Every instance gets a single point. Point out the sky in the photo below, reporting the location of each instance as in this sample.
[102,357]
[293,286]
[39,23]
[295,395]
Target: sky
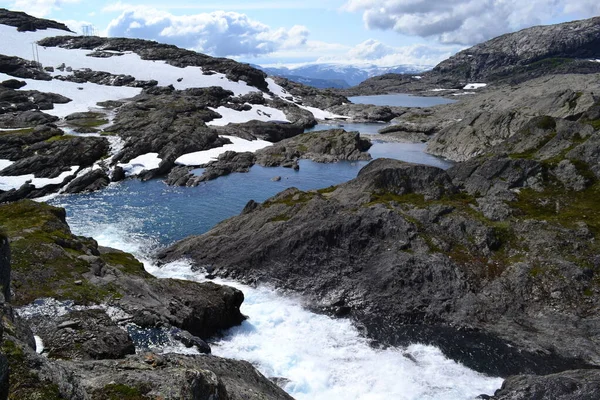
[295,32]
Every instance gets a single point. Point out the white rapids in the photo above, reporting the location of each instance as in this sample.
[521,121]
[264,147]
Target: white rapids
[314,356]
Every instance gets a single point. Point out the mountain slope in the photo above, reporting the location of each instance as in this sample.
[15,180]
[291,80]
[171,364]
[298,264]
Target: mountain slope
[567,48]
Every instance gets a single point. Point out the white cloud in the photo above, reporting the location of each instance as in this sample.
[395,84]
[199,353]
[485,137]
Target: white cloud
[40,8]
[374,52]
[465,21]
[218,33]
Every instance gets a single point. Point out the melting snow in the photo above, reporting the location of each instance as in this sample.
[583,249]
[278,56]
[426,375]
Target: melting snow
[237,144]
[148,161]
[258,112]
[473,86]
[15,182]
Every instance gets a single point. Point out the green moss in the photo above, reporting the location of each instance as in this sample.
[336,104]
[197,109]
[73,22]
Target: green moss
[45,256]
[126,263]
[58,138]
[280,218]
[293,199]
[24,384]
[546,122]
[327,190]
[16,131]
[563,207]
[117,391]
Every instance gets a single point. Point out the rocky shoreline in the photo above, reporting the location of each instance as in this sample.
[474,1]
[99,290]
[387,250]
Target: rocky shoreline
[88,350]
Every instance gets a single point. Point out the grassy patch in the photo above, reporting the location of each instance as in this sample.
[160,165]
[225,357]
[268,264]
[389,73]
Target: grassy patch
[566,208]
[16,131]
[126,263]
[45,256]
[280,218]
[117,391]
[58,138]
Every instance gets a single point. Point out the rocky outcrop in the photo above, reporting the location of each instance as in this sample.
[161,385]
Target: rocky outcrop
[17,101]
[82,335]
[20,68]
[24,22]
[495,290]
[569,385]
[320,146]
[310,96]
[104,78]
[535,51]
[4,266]
[87,353]
[368,112]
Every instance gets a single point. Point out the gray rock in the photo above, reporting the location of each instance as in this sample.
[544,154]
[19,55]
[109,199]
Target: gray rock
[90,182]
[567,173]
[569,385]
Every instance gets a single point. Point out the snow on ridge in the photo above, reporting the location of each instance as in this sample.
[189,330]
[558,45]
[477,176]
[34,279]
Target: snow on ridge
[20,44]
[237,144]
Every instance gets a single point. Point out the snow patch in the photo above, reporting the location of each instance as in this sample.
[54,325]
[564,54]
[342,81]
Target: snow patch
[5,163]
[473,86]
[16,181]
[83,95]
[258,112]
[237,144]
[148,161]
[39,344]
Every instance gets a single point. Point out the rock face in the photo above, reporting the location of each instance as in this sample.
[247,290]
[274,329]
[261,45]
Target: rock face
[320,146]
[83,335]
[570,385]
[25,22]
[493,293]
[5,266]
[540,49]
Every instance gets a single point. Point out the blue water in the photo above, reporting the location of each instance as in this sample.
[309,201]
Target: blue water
[366,129]
[158,215]
[400,100]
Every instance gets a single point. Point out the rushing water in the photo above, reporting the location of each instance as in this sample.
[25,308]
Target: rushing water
[315,356]
[401,100]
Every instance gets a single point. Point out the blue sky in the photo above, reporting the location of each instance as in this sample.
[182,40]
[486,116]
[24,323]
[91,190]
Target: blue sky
[381,32]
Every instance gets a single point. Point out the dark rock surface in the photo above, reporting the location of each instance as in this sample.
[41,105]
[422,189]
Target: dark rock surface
[47,159]
[569,385]
[498,297]
[20,68]
[82,335]
[94,180]
[320,146]
[26,22]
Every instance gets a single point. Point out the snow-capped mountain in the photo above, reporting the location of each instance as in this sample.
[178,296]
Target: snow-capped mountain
[338,75]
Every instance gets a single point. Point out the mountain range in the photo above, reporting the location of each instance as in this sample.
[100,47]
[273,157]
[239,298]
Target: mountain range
[339,76]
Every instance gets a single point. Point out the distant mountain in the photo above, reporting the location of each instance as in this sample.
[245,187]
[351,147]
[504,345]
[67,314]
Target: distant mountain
[336,75]
[563,48]
[567,48]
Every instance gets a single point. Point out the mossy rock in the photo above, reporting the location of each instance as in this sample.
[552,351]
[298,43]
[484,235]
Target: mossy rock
[49,261]
[25,384]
